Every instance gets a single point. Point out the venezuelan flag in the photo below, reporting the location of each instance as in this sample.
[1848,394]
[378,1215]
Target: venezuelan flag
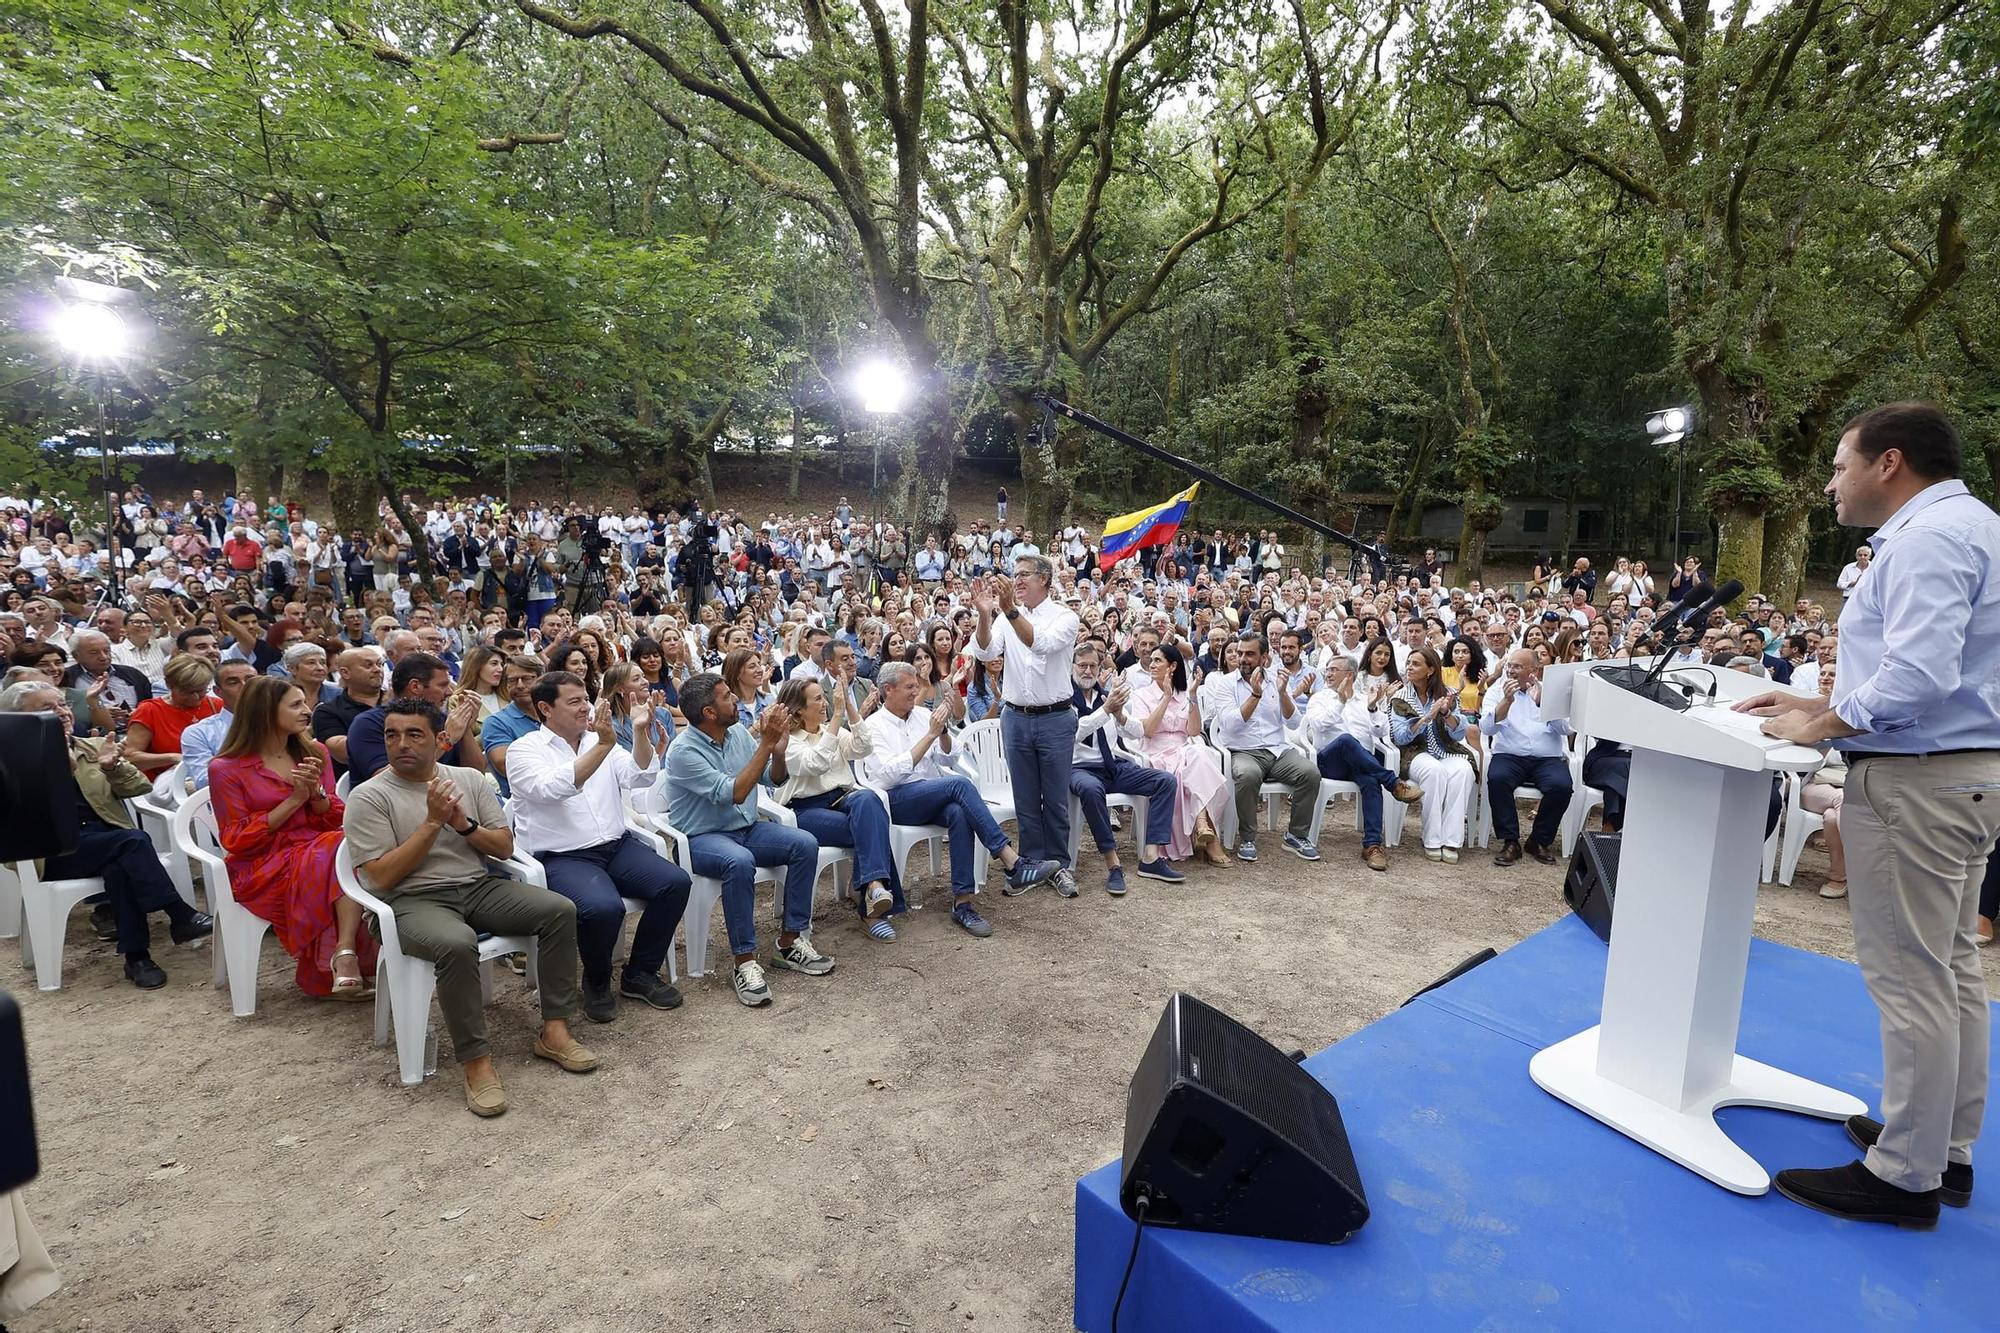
[1154,526]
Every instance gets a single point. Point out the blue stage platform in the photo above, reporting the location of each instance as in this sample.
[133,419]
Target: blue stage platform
[1495,1206]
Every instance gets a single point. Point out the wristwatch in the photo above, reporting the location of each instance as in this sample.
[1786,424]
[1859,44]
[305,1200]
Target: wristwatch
[472,826]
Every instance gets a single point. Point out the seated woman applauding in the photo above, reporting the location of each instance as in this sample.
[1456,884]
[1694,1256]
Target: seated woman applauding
[821,792]
[1162,718]
[280,826]
[1427,726]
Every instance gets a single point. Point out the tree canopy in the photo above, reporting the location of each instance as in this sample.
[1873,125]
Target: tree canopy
[1334,248]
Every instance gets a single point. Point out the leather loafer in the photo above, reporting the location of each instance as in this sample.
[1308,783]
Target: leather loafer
[145,973]
[486,1098]
[1859,1195]
[1957,1187]
[1539,852]
[575,1057]
[1509,853]
[199,926]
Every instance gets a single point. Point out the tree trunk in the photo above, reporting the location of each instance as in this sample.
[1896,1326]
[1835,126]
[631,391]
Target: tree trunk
[1784,567]
[254,471]
[798,453]
[1740,553]
[352,492]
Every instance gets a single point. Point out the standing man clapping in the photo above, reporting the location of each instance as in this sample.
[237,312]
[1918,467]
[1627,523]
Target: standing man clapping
[1019,621]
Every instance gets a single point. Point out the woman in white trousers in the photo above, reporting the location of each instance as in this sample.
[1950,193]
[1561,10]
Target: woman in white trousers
[1426,725]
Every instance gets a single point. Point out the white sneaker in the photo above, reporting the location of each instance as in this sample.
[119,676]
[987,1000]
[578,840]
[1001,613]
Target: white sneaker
[750,987]
[880,902]
[1450,856]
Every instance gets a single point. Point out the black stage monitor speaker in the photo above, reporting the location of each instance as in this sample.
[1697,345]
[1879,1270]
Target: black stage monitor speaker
[1592,881]
[1224,1132]
[37,794]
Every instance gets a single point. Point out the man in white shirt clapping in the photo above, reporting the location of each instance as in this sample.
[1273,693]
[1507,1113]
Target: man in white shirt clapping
[569,781]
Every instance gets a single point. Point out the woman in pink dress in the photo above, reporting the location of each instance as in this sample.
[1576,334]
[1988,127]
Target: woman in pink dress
[1161,719]
[280,824]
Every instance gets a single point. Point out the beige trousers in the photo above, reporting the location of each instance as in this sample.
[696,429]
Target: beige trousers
[1917,834]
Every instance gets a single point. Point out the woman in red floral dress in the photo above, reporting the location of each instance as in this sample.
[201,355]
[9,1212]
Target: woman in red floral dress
[280,827]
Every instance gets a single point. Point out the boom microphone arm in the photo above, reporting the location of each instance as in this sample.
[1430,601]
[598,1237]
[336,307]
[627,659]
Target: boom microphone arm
[1082,418]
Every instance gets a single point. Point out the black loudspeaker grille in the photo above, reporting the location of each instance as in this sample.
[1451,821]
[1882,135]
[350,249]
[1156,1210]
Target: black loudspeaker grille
[1591,886]
[1242,1068]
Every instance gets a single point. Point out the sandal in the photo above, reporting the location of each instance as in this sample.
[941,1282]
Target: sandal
[347,988]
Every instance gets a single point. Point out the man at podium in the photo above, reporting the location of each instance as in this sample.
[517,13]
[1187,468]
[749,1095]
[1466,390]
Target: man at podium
[1916,709]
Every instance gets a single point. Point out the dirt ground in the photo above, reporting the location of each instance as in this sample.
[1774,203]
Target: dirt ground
[891,1147]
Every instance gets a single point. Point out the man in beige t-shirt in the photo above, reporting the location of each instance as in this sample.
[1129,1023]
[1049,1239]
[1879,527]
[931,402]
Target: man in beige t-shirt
[421,833]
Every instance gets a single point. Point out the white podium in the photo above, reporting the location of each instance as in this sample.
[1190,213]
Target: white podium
[1664,1056]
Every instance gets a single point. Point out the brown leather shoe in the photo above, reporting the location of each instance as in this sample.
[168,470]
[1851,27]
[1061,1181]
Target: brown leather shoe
[1509,853]
[485,1098]
[1540,853]
[1377,857]
[575,1057]
[1406,791]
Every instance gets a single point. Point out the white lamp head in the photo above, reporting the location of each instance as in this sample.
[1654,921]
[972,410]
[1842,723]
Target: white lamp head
[90,331]
[881,386]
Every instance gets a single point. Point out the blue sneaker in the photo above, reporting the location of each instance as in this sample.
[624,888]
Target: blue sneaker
[968,916]
[1026,874]
[1302,849]
[1114,883]
[1162,870]
[1246,850]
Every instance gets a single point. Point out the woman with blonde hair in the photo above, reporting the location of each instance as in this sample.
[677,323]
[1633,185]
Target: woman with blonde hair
[827,736]
[153,734]
[280,826]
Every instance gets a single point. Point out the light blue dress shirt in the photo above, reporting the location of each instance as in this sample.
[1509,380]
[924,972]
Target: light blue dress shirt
[701,776]
[1919,664]
[199,744]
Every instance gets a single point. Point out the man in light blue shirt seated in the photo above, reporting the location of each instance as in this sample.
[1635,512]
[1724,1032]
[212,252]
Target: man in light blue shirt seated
[201,740]
[713,769]
[1524,750]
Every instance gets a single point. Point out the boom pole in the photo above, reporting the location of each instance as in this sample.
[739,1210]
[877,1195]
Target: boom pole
[1057,407]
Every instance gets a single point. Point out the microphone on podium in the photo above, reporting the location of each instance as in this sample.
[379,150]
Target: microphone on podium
[1646,682]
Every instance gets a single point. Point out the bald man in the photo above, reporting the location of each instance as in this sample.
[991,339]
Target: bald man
[1524,749]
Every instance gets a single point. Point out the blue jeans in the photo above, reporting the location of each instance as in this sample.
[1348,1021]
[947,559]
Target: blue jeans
[955,803]
[860,823]
[733,858]
[1505,772]
[1039,747]
[598,879]
[1345,759]
[1092,782]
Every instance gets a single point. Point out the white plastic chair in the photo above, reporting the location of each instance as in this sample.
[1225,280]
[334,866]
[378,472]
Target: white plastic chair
[840,860]
[1800,824]
[704,895]
[1267,797]
[405,986]
[535,873]
[239,932]
[980,754]
[343,785]
[1138,805]
[10,902]
[45,908]
[1331,789]
[154,815]
[1587,798]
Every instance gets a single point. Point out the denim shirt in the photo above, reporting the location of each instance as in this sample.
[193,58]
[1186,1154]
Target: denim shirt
[701,775]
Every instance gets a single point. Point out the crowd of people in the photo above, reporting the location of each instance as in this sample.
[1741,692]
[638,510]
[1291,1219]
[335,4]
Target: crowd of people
[490,680]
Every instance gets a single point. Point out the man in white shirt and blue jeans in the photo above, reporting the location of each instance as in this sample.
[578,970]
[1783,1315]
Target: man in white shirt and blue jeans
[1916,709]
[569,781]
[1036,634]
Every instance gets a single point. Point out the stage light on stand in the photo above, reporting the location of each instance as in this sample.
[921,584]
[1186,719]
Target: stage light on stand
[882,387]
[1672,426]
